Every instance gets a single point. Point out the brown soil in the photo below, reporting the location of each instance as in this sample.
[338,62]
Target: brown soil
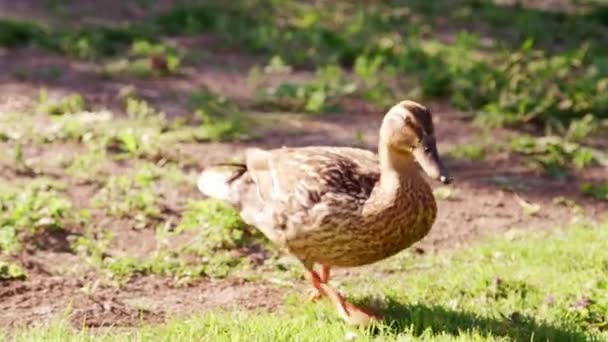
[481,206]
[146,299]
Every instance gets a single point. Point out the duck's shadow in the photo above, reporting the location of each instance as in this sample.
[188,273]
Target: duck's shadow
[418,320]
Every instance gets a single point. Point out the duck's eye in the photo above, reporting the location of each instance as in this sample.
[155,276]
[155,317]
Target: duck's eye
[427,149]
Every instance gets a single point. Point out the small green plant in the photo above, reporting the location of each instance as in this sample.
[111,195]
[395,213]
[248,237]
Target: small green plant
[599,191]
[139,109]
[553,154]
[445,193]
[20,164]
[468,151]
[219,224]
[70,104]
[14,33]
[134,143]
[92,246]
[277,65]
[320,95]
[580,129]
[146,59]
[219,118]
[11,271]
[375,77]
[89,166]
[202,244]
[130,196]
[528,208]
[29,211]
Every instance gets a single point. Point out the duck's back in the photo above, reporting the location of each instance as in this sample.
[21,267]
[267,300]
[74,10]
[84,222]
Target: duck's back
[313,172]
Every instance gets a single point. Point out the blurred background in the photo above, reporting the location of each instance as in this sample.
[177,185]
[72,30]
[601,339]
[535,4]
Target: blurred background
[109,109]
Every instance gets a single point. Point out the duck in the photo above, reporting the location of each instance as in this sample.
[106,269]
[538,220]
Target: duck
[339,206]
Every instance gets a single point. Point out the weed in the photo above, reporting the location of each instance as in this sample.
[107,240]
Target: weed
[88,166]
[92,246]
[140,137]
[70,104]
[599,191]
[14,33]
[580,129]
[468,151]
[277,65]
[320,95]
[133,197]
[146,59]
[553,154]
[30,210]
[11,271]
[219,118]
[528,208]
[202,244]
[374,76]
[219,224]
[537,88]
[134,142]
[445,193]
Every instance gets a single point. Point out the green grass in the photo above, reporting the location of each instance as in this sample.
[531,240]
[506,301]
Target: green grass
[599,191]
[73,103]
[33,209]
[11,271]
[201,244]
[522,75]
[556,156]
[468,151]
[133,163]
[523,286]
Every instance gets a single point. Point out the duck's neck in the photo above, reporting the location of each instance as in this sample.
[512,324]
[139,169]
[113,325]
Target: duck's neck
[395,167]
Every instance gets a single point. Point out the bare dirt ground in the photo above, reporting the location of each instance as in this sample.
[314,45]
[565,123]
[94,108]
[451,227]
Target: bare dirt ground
[487,200]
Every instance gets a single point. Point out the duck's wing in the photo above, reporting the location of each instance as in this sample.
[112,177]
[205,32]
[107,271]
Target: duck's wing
[311,172]
[310,194]
[289,190]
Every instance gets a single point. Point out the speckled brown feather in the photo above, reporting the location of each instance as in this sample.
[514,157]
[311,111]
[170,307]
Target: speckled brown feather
[323,204]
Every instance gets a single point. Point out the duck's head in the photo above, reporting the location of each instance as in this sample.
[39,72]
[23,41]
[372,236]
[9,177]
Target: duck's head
[408,131]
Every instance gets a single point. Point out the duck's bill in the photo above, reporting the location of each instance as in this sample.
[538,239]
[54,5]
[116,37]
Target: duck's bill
[429,160]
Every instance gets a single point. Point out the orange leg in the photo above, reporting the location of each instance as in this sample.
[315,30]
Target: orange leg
[349,312]
[324,278]
[324,274]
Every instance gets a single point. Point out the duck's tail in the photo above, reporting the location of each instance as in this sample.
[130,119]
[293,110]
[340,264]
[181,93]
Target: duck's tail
[219,181]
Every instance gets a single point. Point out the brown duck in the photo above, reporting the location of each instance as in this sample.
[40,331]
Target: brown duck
[339,206]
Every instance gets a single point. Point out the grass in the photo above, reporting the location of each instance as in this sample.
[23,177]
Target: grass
[31,210]
[193,240]
[527,77]
[11,271]
[599,191]
[555,155]
[510,288]
[468,151]
[201,244]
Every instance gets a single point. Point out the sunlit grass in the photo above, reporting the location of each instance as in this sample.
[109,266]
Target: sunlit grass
[523,287]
